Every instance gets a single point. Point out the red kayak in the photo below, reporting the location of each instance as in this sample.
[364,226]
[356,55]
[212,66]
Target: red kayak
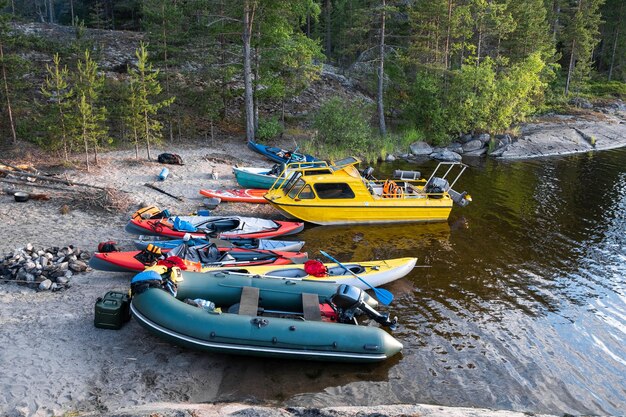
[224,227]
[198,258]
[243,195]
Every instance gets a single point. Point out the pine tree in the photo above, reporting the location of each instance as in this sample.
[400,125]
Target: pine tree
[145,87]
[93,115]
[61,121]
[4,69]
[581,35]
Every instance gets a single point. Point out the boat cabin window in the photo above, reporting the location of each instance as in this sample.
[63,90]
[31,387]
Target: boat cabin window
[293,192]
[306,193]
[317,171]
[334,190]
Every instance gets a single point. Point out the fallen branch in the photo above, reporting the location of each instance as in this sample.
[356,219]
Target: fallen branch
[149,185]
[31,184]
[53,179]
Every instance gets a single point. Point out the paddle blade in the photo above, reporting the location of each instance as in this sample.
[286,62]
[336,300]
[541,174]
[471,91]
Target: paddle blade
[384,296]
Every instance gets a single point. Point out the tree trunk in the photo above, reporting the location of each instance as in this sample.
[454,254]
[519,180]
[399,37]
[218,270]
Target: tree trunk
[613,53]
[555,22]
[448,29]
[248,19]
[86,145]
[72,11]
[51,10]
[570,67]
[6,92]
[255,95]
[381,73]
[147,132]
[328,30]
[136,136]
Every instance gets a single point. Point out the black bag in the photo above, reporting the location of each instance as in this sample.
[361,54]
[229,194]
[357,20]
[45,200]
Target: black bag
[170,158]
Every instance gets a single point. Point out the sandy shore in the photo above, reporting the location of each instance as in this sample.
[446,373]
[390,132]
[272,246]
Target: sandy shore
[55,362]
[53,359]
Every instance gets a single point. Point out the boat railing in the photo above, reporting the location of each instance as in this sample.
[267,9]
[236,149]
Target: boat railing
[445,181]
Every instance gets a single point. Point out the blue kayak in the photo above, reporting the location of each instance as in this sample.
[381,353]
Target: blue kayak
[264,244]
[280,155]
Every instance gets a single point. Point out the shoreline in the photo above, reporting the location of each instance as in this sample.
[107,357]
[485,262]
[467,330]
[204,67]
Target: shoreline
[56,362]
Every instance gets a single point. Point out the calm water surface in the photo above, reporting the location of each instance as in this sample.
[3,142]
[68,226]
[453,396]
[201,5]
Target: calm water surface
[522,305]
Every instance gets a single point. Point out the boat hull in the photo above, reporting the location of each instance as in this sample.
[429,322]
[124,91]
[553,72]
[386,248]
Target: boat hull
[278,154]
[374,273]
[435,211]
[246,195]
[193,327]
[126,262]
[258,178]
[159,227]
[263,244]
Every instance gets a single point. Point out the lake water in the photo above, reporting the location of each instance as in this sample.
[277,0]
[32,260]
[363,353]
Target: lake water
[520,303]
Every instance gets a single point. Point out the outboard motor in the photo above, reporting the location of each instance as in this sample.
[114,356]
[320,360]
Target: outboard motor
[436,185]
[349,301]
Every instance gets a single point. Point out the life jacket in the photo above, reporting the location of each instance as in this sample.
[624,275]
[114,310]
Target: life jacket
[146,213]
[171,261]
[315,268]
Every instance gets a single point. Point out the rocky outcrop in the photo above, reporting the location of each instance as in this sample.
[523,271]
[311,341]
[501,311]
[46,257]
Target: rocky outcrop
[566,136]
[243,410]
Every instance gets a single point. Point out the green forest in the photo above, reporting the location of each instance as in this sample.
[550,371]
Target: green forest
[434,69]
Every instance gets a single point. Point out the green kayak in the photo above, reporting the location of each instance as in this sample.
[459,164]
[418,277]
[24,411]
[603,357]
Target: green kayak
[272,317]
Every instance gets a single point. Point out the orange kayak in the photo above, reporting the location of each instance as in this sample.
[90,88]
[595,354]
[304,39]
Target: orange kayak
[244,195]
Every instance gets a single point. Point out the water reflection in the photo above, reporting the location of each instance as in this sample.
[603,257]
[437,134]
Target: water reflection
[522,306]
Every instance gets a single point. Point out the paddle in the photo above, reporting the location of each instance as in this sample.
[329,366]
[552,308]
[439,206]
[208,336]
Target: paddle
[383,296]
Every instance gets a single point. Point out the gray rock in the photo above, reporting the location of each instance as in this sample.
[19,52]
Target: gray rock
[446,156]
[84,256]
[29,247]
[29,277]
[68,274]
[498,151]
[54,286]
[63,266]
[78,266]
[466,138]
[390,158]
[484,137]
[583,103]
[455,147]
[45,285]
[477,152]
[504,139]
[473,145]
[62,280]
[420,148]
[30,266]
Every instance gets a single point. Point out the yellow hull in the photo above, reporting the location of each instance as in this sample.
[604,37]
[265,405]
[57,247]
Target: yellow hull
[375,273]
[353,212]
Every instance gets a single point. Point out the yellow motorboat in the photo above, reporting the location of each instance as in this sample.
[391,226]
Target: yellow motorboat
[328,194]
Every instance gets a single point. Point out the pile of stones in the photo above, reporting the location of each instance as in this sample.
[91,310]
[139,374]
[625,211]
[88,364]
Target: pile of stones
[45,269]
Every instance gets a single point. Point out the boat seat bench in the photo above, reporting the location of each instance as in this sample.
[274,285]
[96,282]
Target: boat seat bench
[311,307]
[249,303]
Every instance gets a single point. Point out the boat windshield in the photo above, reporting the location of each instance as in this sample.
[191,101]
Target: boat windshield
[291,181]
[296,188]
